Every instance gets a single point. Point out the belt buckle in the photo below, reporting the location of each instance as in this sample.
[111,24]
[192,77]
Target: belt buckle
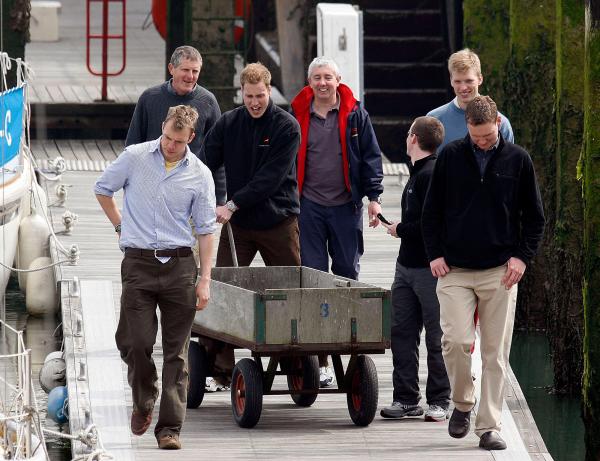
[155,250]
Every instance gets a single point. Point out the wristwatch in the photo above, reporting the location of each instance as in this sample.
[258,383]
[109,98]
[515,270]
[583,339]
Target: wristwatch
[376,199]
[231,206]
[118,228]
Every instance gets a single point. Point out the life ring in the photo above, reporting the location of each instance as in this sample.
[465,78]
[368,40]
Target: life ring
[159,17]
[242,14]
[241,11]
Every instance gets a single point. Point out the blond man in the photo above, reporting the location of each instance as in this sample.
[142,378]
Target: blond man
[465,78]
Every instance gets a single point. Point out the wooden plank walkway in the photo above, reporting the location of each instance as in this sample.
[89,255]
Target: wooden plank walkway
[285,431]
[61,75]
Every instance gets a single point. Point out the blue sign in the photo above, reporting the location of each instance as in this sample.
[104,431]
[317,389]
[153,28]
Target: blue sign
[11,124]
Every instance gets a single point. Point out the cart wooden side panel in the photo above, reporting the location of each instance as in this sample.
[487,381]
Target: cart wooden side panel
[230,312]
[323,315]
[294,309]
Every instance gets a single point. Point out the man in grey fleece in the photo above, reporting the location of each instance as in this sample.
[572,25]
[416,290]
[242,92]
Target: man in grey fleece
[182,88]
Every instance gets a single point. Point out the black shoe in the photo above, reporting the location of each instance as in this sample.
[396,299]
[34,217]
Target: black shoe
[460,423]
[492,441]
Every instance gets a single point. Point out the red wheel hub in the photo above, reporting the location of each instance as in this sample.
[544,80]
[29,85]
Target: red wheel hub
[356,394]
[240,394]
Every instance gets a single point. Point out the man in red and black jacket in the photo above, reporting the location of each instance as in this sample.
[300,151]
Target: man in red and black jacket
[338,164]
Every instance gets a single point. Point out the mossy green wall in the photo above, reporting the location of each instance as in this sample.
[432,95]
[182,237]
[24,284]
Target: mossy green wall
[591,194]
[532,58]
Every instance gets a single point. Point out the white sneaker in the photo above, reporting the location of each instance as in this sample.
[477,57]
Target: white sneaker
[210,385]
[436,413]
[326,377]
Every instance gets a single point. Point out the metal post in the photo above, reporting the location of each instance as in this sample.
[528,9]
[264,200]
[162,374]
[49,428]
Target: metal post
[27,398]
[104,96]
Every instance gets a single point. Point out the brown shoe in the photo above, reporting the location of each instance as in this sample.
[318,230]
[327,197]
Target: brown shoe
[140,422]
[169,442]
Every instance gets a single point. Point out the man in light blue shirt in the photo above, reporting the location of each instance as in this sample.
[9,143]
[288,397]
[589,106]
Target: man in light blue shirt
[164,185]
[466,78]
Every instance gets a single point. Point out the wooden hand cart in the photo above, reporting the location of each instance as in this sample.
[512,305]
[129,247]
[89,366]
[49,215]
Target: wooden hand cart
[291,314]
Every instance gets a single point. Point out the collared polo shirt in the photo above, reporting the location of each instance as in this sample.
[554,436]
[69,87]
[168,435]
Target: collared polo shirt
[324,174]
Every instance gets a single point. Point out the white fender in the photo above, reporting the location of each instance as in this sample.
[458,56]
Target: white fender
[39,199]
[40,293]
[33,243]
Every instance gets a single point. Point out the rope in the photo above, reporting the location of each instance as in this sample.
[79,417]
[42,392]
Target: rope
[89,437]
[57,263]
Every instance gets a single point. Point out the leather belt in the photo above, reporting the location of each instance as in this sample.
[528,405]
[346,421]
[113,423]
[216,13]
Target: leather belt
[173,252]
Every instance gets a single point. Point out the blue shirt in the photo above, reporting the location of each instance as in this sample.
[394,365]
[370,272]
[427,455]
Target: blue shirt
[157,204]
[455,125]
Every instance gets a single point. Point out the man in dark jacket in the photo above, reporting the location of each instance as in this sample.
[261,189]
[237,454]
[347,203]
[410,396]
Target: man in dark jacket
[257,144]
[414,299]
[339,163]
[482,224]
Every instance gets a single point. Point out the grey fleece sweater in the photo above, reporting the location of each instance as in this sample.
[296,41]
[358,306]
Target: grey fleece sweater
[152,108]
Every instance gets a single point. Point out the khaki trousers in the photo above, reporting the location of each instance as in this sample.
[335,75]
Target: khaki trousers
[459,292]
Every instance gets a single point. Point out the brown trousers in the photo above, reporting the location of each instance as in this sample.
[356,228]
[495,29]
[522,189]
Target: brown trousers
[147,283]
[278,246]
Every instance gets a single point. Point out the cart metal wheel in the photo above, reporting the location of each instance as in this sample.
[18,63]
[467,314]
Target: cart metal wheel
[363,393]
[303,374]
[197,366]
[246,393]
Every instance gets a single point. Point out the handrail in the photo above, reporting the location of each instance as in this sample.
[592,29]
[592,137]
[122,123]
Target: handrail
[105,37]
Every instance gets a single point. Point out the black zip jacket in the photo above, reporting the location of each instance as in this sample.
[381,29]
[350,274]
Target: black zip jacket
[412,250]
[259,155]
[480,221]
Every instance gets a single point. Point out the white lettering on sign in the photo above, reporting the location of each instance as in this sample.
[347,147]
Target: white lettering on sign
[5,133]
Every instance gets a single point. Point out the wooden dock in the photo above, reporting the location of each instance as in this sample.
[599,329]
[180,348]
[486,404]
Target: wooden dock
[323,431]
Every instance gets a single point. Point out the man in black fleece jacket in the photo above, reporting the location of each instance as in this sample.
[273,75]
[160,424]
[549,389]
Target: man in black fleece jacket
[482,224]
[414,300]
[257,143]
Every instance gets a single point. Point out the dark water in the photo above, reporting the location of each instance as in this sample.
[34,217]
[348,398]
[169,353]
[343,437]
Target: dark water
[558,417]
[39,335]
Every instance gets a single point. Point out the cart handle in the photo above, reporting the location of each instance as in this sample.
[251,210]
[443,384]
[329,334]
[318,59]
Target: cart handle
[232,244]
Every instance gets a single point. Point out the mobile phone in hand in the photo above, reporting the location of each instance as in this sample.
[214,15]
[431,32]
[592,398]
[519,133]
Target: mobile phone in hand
[383,220]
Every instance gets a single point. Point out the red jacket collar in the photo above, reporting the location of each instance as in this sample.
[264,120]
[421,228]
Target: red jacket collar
[301,108]
[301,103]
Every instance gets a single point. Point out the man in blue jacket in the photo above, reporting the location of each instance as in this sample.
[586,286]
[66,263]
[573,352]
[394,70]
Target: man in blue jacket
[339,163]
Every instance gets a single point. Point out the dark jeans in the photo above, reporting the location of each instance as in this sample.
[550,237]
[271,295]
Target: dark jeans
[278,246]
[147,283]
[333,230]
[415,305]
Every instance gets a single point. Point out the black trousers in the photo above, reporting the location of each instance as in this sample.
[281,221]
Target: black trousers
[147,283]
[415,305]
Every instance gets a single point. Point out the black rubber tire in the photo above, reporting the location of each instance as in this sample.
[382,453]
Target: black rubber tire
[198,368]
[246,393]
[364,391]
[303,373]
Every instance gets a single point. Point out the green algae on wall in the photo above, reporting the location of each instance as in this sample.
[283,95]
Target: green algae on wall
[591,193]
[565,320]
[486,27]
